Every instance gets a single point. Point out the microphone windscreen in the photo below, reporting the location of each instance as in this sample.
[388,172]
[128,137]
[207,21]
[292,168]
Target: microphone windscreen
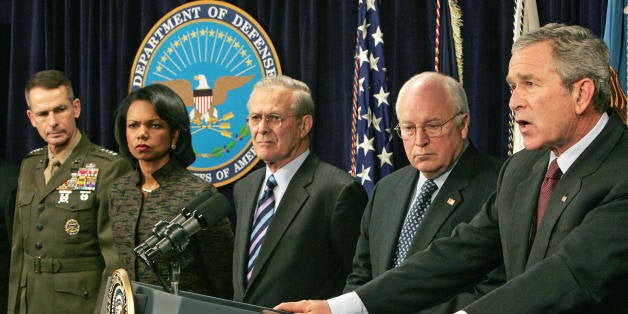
[213,209]
[191,205]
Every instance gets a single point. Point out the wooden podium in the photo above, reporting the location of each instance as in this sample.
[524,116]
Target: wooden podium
[123,296]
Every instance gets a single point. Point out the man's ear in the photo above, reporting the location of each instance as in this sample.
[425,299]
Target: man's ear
[583,91]
[306,125]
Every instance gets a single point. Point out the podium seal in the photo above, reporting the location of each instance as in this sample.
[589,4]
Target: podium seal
[120,294]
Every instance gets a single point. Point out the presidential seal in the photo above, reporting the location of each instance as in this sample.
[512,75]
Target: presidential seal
[211,53]
[120,294]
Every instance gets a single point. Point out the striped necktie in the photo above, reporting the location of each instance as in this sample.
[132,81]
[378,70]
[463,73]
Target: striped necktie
[263,216]
[413,219]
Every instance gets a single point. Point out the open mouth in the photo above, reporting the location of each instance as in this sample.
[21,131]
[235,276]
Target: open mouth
[523,123]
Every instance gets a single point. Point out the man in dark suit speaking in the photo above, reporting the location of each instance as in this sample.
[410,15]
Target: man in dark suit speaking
[558,221]
[298,218]
[433,115]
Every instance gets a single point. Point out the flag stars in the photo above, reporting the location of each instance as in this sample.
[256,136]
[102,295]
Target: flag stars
[370,5]
[362,56]
[375,122]
[378,37]
[364,174]
[389,133]
[361,83]
[382,97]
[363,27]
[368,116]
[373,62]
[384,158]
[367,145]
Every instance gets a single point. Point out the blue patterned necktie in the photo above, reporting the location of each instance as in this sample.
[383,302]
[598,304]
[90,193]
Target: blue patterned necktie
[263,216]
[413,219]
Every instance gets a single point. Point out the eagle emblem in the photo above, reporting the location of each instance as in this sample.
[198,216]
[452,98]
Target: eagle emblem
[204,99]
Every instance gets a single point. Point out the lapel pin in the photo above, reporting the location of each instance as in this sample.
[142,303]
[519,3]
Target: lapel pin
[564,198]
[451,201]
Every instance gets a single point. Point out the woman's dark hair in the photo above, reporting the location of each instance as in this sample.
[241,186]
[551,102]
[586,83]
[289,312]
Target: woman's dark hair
[170,108]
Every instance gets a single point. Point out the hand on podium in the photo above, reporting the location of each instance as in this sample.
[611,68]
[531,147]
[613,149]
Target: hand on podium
[305,306]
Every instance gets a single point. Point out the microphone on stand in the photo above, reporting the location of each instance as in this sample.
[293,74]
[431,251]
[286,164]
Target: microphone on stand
[197,215]
[159,228]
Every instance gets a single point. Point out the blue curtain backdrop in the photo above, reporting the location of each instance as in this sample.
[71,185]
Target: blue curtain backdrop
[95,43]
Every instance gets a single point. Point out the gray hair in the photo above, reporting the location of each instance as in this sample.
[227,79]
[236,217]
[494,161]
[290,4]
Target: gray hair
[302,97]
[577,54]
[455,92]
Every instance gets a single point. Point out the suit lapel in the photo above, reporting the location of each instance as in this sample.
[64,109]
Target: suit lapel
[446,201]
[392,220]
[523,209]
[571,184]
[249,202]
[293,199]
[443,205]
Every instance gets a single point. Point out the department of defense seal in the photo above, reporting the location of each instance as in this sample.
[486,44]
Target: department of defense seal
[211,53]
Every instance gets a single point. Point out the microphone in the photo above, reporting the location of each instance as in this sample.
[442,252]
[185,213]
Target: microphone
[160,227]
[197,215]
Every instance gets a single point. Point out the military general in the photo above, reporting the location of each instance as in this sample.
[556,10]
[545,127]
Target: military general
[62,245]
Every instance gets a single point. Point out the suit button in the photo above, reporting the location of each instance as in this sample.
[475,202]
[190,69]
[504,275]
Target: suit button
[38,245]
[39,227]
[41,206]
[86,293]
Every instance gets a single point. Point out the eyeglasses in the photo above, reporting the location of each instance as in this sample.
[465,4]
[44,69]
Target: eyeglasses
[272,120]
[407,131]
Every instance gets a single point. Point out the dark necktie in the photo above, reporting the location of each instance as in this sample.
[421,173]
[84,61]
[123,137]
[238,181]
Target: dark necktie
[261,220]
[552,176]
[413,219]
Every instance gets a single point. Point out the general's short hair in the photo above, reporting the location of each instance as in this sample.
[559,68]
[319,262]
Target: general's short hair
[49,79]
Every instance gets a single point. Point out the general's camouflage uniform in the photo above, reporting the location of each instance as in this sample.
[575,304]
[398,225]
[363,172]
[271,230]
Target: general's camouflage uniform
[62,245]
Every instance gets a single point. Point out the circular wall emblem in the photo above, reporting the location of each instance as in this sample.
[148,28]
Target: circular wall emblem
[211,53]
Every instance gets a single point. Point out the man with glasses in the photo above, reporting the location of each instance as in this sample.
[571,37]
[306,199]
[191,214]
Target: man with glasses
[446,179]
[297,218]
[558,221]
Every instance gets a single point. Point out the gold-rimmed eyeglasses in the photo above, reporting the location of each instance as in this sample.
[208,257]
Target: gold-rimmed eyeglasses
[407,131]
[272,120]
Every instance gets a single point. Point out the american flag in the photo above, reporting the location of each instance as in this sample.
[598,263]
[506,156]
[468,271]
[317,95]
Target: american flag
[371,133]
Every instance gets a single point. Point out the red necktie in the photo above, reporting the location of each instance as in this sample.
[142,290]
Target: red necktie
[552,176]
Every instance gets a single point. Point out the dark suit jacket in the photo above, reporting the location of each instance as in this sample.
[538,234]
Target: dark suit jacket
[310,242]
[8,184]
[469,184]
[578,262]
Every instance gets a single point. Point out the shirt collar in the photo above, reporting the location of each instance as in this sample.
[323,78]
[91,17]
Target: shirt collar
[284,175]
[63,156]
[566,159]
